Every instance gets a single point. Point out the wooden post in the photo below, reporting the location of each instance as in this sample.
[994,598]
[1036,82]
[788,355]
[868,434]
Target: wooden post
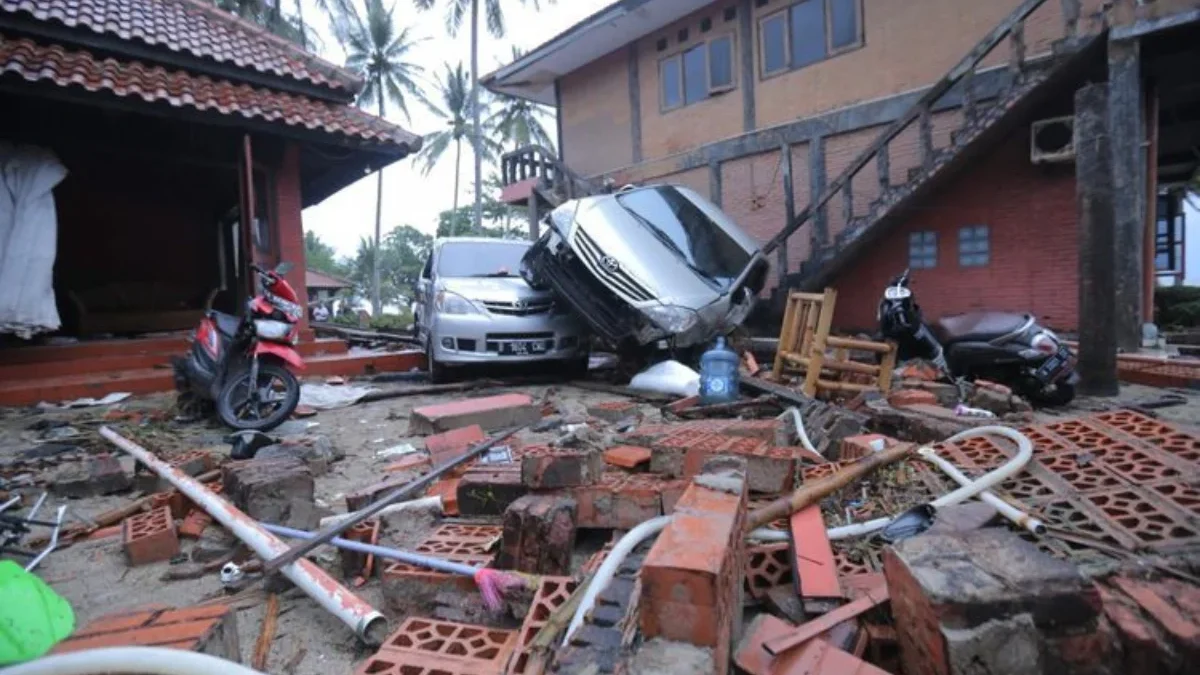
[789,207]
[1126,134]
[1097,246]
[816,357]
[246,174]
[1150,254]
[925,123]
[534,227]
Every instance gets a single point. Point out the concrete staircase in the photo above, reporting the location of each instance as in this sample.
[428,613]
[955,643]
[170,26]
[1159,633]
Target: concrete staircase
[1028,84]
[56,373]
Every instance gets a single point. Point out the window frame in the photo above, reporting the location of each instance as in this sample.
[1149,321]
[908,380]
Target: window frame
[923,234]
[784,13]
[677,55]
[975,239]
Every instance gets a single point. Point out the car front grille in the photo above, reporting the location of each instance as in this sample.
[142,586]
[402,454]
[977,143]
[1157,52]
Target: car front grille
[614,276]
[604,311]
[518,336]
[527,308]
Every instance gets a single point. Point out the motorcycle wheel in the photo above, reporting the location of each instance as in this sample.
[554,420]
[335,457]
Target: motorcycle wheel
[238,409]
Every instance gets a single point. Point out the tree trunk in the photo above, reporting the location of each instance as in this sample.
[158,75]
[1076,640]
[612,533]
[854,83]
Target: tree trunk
[457,172]
[376,300]
[477,132]
[303,28]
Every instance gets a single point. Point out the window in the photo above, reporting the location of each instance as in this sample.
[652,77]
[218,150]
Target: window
[697,73]
[807,32]
[922,250]
[973,247]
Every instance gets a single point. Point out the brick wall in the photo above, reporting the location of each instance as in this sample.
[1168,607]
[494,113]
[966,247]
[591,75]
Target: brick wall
[595,115]
[1031,214]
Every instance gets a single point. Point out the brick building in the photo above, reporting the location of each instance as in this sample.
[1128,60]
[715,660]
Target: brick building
[887,134]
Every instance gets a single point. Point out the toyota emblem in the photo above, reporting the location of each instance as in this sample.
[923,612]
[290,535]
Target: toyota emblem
[521,304]
[610,263]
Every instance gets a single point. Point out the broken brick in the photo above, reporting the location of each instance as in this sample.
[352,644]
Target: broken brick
[150,537]
[447,489]
[627,456]
[194,524]
[490,413]
[865,444]
[210,630]
[902,398]
[449,445]
[539,535]
[98,475]
[620,501]
[266,489]
[550,467]
[488,489]
[815,656]
[813,565]
[428,646]
[613,411]
[370,494]
[418,462]
[552,593]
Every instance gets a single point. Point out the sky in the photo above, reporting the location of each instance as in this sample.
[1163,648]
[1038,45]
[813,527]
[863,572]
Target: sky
[410,198]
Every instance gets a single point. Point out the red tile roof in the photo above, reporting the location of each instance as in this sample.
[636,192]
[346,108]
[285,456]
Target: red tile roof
[153,84]
[193,28]
[315,279]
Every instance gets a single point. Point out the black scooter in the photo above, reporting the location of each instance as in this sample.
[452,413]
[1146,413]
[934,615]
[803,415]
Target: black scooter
[1011,349]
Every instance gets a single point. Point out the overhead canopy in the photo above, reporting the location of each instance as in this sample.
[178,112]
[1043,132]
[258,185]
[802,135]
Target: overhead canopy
[320,280]
[532,76]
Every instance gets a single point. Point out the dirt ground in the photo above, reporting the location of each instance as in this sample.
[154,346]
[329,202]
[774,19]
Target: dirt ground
[94,577]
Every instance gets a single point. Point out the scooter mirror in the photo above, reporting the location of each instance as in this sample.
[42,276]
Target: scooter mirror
[283,268]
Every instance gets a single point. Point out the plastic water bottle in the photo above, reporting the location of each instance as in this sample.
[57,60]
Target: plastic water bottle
[719,374]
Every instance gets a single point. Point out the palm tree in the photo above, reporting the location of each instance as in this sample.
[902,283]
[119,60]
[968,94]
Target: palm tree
[456,11]
[380,51]
[519,121]
[454,108]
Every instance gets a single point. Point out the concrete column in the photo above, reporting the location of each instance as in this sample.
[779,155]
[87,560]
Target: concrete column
[816,185]
[747,51]
[635,103]
[1097,246]
[1127,133]
[714,182]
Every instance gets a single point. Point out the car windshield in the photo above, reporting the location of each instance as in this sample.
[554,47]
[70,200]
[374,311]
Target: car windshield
[683,227]
[481,259]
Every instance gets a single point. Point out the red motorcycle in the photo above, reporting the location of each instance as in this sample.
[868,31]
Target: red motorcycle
[241,364]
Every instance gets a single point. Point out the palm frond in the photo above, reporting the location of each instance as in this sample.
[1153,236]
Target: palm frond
[456,12]
[435,147]
[495,18]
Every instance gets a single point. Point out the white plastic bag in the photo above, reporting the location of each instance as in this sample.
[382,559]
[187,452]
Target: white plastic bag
[668,377]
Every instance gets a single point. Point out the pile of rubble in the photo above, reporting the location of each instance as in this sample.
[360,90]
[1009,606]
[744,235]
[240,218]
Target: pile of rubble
[687,538]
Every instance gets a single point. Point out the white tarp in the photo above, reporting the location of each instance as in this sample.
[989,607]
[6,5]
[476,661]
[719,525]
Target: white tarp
[28,239]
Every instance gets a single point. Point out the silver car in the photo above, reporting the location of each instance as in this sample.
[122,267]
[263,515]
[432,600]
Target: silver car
[649,264]
[473,308]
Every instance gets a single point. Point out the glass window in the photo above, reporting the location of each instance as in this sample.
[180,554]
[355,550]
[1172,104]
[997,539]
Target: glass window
[973,247]
[807,32]
[774,44]
[720,63]
[481,259]
[695,75]
[843,23]
[922,250]
[672,83]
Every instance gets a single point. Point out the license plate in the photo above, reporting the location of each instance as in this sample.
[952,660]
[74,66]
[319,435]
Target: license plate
[523,347]
[1049,370]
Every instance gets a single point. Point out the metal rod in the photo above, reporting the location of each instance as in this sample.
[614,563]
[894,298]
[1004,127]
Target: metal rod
[10,502]
[62,510]
[328,533]
[37,505]
[438,564]
[366,622]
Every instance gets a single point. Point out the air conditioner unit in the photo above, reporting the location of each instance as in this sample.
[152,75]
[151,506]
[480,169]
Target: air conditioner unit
[1052,140]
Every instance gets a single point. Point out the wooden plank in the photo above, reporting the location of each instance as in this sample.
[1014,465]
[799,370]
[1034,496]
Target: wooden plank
[262,647]
[815,570]
[861,345]
[871,599]
[846,366]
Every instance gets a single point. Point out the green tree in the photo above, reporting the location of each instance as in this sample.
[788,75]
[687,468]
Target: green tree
[380,51]
[269,14]
[460,222]
[401,259]
[456,12]
[520,122]
[453,107]
[321,257]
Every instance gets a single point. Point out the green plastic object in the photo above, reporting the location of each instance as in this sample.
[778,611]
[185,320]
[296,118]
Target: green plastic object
[33,618]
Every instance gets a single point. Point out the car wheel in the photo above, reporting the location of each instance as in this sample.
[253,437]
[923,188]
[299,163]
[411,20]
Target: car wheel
[437,371]
[577,369]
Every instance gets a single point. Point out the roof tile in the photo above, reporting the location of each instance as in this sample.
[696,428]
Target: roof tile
[154,84]
[194,28]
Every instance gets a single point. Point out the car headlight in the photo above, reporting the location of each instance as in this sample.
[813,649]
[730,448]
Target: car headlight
[672,318]
[269,329]
[452,303]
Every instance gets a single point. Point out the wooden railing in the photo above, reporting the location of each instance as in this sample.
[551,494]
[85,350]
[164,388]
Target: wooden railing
[534,161]
[920,115]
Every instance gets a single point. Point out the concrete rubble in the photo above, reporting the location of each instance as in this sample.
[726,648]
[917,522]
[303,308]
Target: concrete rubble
[1108,587]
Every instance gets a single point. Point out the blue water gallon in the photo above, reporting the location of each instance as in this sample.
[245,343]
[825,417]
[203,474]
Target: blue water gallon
[719,374]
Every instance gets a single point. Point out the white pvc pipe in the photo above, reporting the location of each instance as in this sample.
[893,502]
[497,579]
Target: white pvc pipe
[609,568]
[1017,516]
[431,503]
[362,618]
[800,431]
[149,660]
[969,489]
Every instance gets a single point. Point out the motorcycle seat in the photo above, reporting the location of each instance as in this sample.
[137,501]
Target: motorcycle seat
[977,326]
[227,324]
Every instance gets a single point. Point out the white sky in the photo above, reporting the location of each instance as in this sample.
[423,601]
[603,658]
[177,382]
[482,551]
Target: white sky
[410,198]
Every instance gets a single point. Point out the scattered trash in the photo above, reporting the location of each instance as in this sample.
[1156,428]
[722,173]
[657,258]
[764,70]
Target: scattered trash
[668,377]
[231,574]
[500,454]
[396,450]
[968,411]
[86,402]
[331,397]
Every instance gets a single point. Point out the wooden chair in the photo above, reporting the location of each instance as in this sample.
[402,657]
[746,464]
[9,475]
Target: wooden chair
[804,343]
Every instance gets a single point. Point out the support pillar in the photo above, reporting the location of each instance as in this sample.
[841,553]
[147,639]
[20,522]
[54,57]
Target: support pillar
[1127,133]
[1098,305]
[534,226]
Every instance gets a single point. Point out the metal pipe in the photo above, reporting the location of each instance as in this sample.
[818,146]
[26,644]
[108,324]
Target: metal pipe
[448,566]
[62,510]
[366,622]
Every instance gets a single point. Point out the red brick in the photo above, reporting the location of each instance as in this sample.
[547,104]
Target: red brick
[486,490]
[854,447]
[814,565]
[194,524]
[442,646]
[817,656]
[449,445]
[417,462]
[211,630]
[683,404]
[903,398]
[620,501]
[490,413]
[627,456]
[552,593]
[1159,600]
[613,411]
[550,467]
[150,537]
[194,462]
[539,535]
[447,489]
